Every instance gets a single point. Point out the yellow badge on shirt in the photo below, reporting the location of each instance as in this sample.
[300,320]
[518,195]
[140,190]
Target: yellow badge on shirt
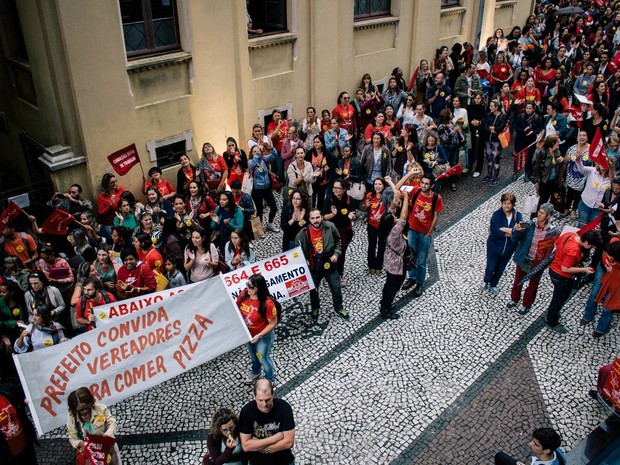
[48,342]
[327,265]
[344,211]
[400,149]
[554,123]
[260,169]
[368,111]
[15,312]
[19,248]
[325,127]
[345,171]
[442,94]
[324,162]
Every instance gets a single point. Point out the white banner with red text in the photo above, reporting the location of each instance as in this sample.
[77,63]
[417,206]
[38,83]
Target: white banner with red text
[287,276]
[132,353]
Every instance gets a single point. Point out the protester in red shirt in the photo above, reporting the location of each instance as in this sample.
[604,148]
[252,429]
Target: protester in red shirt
[425,207]
[212,170]
[376,203]
[21,245]
[93,296]
[346,112]
[133,279]
[568,255]
[260,314]
[165,187]
[236,160]
[147,253]
[107,201]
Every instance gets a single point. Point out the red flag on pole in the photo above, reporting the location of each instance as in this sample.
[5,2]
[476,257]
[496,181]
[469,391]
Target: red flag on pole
[123,160]
[520,160]
[594,224]
[597,150]
[57,223]
[9,214]
[456,169]
[599,3]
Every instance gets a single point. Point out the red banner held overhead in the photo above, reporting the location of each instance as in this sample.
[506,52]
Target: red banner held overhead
[125,159]
[9,214]
[57,223]
[597,150]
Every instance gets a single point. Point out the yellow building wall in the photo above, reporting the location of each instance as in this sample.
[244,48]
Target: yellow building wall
[96,101]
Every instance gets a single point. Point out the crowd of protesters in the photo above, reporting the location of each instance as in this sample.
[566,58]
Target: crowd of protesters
[383,156]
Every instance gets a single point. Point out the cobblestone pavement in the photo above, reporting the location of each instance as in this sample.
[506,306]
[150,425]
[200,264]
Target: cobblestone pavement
[455,379]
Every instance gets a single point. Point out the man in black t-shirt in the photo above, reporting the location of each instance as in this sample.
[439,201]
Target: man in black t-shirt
[267,427]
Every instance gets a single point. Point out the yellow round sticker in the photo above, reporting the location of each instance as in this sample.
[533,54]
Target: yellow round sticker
[19,248]
[154,240]
[368,111]
[324,162]
[325,127]
[327,265]
[554,123]
[290,192]
[157,263]
[345,171]
[48,342]
[344,211]
[15,312]
[400,149]
[442,94]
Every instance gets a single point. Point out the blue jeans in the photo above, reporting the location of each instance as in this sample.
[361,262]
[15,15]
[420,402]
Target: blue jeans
[260,355]
[586,214]
[590,311]
[421,244]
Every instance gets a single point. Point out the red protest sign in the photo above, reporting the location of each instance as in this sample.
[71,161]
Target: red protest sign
[456,169]
[123,160]
[597,150]
[611,389]
[9,214]
[57,223]
[97,448]
[520,160]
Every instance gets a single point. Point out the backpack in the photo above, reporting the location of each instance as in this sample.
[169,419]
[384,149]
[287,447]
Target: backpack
[106,298]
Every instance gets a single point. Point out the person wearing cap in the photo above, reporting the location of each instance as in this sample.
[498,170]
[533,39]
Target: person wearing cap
[165,187]
[534,241]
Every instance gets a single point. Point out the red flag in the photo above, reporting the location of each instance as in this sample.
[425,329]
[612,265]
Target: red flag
[594,224]
[57,223]
[456,169]
[9,214]
[599,3]
[97,447]
[597,150]
[123,160]
[520,160]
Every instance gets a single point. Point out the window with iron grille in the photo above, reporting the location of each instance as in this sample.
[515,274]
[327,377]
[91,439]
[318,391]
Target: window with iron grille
[448,3]
[364,9]
[150,27]
[168,155]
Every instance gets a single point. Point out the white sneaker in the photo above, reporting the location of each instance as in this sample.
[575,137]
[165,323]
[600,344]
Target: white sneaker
[273,227]
[465,170]
[476,174]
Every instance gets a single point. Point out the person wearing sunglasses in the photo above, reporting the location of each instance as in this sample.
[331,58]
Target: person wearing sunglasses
[223,445]
[85,417]
[260,311]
